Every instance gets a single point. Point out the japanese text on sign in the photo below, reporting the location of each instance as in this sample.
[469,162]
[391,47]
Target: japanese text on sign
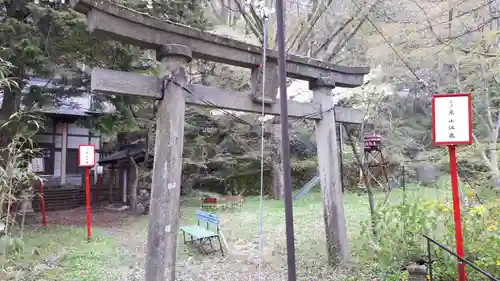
[451,119]
[37,165]
[86,156]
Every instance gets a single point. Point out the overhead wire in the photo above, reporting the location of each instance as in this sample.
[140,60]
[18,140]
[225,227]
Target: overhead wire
[296,121]
[412,71]
[264,15]
[229,8]
[388,43]
[230,114]
[320,112]
[211,104]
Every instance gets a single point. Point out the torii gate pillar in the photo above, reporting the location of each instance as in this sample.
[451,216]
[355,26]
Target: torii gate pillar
[109,20]
[329,172]
[167,169]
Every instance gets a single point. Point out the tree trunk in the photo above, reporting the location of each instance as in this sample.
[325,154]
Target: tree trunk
[278,186]
[493,154]
[109,182]
[11,102]
[187,185]
[133,175]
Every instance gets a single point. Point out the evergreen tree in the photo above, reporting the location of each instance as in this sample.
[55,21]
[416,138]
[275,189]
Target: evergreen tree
[49,39]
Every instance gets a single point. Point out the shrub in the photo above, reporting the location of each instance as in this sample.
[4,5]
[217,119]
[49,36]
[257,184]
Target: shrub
[10,245]
[15,179]
[5,71]
[399,240]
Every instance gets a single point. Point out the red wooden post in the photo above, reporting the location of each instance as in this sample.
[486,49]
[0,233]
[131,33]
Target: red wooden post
[86,159]
[452,126]
[87,198]
[42,204]
[456,211]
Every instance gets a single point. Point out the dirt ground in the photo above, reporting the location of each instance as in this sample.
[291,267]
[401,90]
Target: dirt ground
[131,232]
[240,228]
[100,217]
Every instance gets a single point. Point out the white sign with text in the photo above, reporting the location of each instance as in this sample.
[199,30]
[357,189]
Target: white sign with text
[86,155]
[37,165]
[451,118]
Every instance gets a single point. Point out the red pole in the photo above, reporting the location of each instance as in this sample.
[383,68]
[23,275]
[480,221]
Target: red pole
[87,195]
[456,212]
[42,204]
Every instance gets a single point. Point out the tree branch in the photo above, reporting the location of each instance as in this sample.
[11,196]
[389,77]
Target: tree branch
[327,41]
[317,14]
[341,45]
[250,23]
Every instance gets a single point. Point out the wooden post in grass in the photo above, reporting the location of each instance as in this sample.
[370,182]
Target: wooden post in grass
[167,168]
[329,173]
[224,243]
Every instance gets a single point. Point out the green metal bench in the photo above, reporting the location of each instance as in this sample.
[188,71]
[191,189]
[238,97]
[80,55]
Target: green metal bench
[201,234]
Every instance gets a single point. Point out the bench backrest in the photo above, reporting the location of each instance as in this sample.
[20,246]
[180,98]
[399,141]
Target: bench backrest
[208,219]
[209,200]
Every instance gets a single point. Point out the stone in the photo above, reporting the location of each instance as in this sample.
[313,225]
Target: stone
[417,272]
[271,80]
[322,82]
[174,50]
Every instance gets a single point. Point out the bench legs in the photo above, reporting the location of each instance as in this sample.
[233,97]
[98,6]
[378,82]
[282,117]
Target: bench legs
[202,242]
[191,241]
[220,245]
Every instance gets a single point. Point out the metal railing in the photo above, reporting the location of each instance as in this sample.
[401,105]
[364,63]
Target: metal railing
[431,241]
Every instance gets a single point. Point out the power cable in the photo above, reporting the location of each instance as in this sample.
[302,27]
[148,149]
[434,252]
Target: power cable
[229,8]
[425,84]
[390,45]
[211,104]
[264,13]
[227,113]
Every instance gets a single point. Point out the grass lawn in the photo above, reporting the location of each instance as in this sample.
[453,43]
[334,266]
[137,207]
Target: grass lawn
[60,253]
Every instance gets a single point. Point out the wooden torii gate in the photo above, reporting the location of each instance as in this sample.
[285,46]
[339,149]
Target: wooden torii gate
[175,46]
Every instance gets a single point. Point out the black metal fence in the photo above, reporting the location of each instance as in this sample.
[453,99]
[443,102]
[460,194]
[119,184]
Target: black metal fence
[431,241]
[72,195]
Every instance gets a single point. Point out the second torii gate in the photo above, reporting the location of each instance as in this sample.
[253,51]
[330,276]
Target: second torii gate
[175,46]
